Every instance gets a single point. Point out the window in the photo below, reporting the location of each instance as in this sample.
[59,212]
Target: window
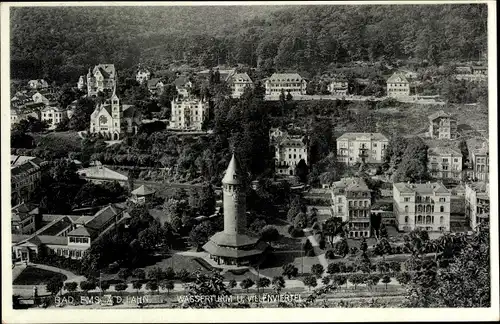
[340,200]
[406,209]
[441,209]
[340,209]
[441,220]
[406,219]
[442,199]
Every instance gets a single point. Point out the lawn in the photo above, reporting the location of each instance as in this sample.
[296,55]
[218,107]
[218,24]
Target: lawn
[35,276]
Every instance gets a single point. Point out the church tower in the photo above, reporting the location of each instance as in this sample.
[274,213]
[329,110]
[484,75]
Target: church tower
[234,197]
[115,106]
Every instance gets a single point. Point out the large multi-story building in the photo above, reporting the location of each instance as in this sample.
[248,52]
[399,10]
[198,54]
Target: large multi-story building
[351,200]
[67,235]
[338,86]
[189,113]
[398,85]
[102,78]
[53,115]
[239,82]
[477,203]
[289,150]
[480,161]
[25,174]
[422,205]
[142,75]
[442,126]
[444,163]
[291,83]
[24,218]
[358,147]
[113,119]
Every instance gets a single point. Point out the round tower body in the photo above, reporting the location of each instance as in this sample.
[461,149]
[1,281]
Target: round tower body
[234,197]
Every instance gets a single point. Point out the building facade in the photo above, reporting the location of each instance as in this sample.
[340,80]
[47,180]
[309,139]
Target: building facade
[24,177]
[291,83]
[67,235]
[183,86]
[239,82]
[54,115]
[82,83]
[189,113]
[142,76]
[24,218]
[351,200]
[113,119]
[421,205]
[289,150]
[155,86]
[398,86]
[101,79]
[233,246]
[480,160]
[442,126]
[358,147]
[338,86]
[444,163]
[477,203]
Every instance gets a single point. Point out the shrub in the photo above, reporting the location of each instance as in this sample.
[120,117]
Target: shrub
[183,275]
[317,270]
[113,267]
[333,268]
[329,254]
[297,232]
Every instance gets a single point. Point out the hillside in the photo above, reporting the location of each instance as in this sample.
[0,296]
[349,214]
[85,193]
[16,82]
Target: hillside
[60,43]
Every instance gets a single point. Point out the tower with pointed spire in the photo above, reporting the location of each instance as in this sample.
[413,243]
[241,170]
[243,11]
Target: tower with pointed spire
[233,246]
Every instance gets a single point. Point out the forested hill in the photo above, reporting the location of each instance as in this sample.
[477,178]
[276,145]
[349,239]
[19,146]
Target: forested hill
[61,43]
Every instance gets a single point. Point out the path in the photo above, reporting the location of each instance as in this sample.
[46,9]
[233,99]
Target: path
[16,271]
[321,257]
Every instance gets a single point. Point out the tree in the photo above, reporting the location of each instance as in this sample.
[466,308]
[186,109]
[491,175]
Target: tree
[310,281]
[206,285]
[70,286]
[289,271]
[317,270]
[386,279]
[454,286]
[289,96]
[200,234]
[383,247]
[87,285]
[104,285]
[363,246]
[263,282]
[373,280]
[139,274]
[403,278]
[137,285]
[278,283]
[167,285]
[269,233]
[156,274]
[325,280]
[339,280]
[464,150]
[300,220]
[124,273]
[333,227]
[232,283]
[152,285]
[341,248]
[333,268]
[246,283]
[356,279]
[121,287]
[169,273]
[301,170]
[183,275]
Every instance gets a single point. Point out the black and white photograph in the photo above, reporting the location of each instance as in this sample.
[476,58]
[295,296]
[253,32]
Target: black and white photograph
[175,155]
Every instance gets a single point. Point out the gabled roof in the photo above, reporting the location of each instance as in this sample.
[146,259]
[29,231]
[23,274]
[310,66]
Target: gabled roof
[143,191]
[241,78]
[101,218]
[350,184]
[107,70]
[443,150]
[363,136]
[285,77]
[397,77]
[181,81]
[29,166]
[421,188]
[80,231]
[439,114]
